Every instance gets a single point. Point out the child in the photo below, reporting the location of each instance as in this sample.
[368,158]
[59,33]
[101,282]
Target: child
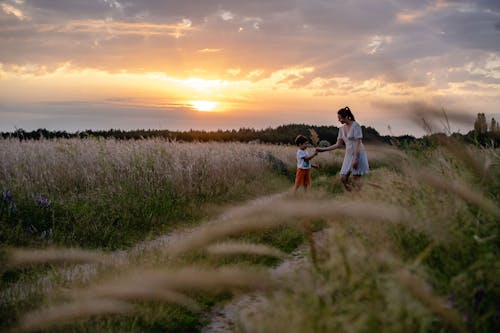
[303,177]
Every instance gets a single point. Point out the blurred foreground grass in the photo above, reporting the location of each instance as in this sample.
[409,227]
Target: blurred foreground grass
[415,250]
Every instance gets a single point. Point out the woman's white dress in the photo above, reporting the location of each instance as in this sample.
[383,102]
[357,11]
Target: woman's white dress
[350,147]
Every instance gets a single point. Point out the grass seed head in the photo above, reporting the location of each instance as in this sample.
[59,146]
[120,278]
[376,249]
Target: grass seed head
[66,313]
[241,248]
[19,257]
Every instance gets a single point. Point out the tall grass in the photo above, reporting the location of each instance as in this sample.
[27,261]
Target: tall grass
[416,250]
[109,193]
[65,168]
[436,272]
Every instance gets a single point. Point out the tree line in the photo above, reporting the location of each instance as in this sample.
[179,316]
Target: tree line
[482,134]
[284,134]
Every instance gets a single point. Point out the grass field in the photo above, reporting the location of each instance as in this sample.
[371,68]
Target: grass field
[416,250]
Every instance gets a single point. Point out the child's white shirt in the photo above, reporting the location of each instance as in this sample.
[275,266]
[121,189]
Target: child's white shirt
[301,163]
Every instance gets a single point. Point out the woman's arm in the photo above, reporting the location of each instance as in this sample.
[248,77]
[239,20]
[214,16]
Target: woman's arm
[356,153]
[339,143]
[357,148]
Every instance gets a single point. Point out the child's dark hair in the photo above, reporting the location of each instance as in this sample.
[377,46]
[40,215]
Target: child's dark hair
[346,113]
[300,139]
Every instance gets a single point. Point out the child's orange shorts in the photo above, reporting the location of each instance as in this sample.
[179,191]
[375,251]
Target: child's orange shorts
[303,177]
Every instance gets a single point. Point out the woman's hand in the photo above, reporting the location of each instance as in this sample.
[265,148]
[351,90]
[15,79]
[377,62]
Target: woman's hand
[355,163]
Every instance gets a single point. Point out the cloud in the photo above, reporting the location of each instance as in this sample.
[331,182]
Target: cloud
[401,48]
[335,37]
[227,15]
[377,43]
[209,50]
[11,10]
[125,28]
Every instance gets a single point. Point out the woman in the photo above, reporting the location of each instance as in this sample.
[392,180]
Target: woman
[355,160]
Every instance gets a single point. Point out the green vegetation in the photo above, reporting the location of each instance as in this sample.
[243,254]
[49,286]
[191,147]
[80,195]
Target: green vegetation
[111,194]
[416,250]
[484,133]
[280,135]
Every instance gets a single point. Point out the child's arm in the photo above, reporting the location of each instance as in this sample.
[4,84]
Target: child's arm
[310,157]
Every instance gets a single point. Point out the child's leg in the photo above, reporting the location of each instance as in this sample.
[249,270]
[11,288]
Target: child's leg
[298,181]
[307,179]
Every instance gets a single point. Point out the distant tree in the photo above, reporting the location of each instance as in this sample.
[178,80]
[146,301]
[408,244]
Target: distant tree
[324,143]
[480,126]
[493,125]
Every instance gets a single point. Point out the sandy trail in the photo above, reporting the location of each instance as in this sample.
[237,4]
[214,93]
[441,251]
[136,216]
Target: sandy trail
[49,283]
[238,311]
[225,318]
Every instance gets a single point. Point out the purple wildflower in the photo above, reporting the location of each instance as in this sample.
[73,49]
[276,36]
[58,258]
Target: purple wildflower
[42,202]
[7,198]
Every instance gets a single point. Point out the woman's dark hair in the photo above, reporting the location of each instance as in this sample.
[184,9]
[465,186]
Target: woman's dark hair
[346,113]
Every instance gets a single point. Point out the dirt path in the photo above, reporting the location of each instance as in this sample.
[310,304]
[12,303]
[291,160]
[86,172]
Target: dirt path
[83,273]
[226,317]
[238,311]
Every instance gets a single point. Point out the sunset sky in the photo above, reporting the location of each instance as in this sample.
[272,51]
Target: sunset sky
[209,64]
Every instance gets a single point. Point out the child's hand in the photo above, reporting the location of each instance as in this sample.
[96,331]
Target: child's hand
[355,164]
[315,166]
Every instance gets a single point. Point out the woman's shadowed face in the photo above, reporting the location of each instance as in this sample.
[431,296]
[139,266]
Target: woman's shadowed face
[342,120]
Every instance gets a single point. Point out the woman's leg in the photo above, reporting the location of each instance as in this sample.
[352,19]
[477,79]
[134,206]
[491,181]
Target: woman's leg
[345,182]
[357,182]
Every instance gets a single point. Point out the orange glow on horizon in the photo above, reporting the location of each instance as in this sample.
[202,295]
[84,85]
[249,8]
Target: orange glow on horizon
[279,97]
[204,106]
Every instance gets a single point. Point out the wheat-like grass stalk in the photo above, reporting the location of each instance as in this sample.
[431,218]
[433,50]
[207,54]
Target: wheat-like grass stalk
[460,189]
[66,313]
[148,284]
[242,248]
[314,137]
[424,254]
[480,165]
[139,291]
[74,167]
[144,282]
[19,257]
[285,212]
[435,304]
[209,280]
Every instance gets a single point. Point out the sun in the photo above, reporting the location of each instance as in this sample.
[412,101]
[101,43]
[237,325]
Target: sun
[204,106]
